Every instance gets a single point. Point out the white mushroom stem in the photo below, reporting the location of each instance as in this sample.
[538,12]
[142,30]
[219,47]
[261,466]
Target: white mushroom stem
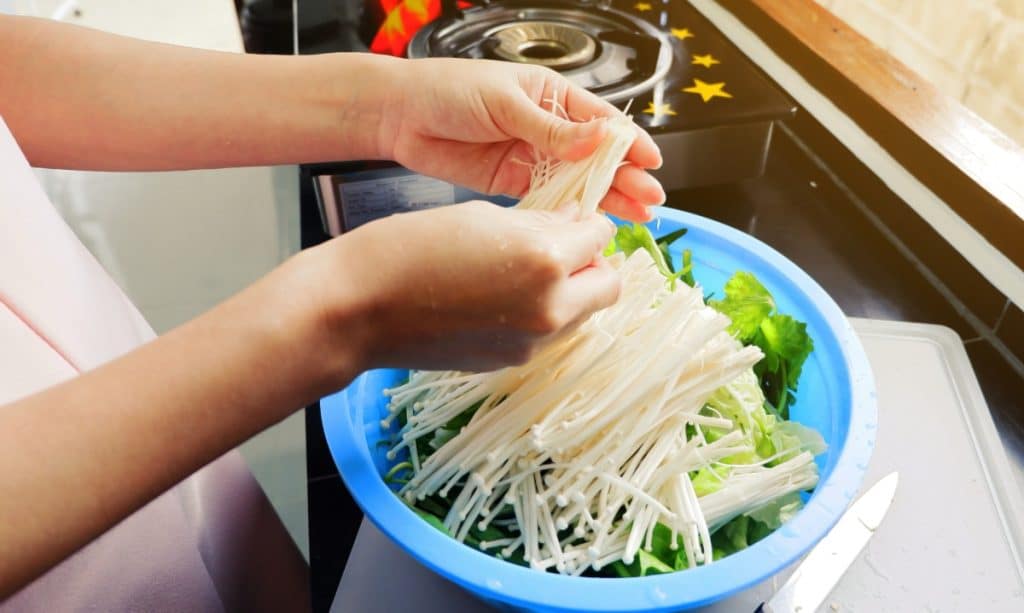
[592,442]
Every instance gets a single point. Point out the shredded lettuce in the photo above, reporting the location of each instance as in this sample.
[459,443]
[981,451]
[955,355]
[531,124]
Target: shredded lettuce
[778,511]
[664,556]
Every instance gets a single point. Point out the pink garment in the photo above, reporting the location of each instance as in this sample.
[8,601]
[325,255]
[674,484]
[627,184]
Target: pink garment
[61,314]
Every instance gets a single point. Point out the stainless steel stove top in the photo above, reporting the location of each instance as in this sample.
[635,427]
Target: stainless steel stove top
[610,52]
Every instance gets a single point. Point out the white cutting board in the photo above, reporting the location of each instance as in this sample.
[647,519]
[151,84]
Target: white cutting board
[952,540]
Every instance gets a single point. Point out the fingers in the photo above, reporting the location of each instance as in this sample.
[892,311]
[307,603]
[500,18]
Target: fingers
[633,191]
[554,135]
[583,105]
[639,185]
[620,205]
[644,152]
[576,137]
[591,289]
[576,244]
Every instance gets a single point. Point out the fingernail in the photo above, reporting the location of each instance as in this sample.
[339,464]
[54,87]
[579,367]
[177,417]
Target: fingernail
[587,131]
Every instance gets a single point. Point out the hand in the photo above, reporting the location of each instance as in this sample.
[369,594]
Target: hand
[474,122]
[471,286]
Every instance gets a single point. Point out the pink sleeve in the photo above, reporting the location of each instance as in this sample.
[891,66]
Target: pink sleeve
[195,547]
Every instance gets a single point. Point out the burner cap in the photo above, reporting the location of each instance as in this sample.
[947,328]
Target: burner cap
[612,53]
[548,43]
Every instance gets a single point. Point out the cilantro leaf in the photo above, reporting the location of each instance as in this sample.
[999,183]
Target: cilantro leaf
[630,238]
[787,338]
[783,340]
[747,303]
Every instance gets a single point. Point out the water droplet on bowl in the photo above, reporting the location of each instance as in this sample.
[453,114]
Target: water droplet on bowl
[658,595]
[494,584]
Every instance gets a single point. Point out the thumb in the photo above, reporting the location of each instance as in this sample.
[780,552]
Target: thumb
[555,136]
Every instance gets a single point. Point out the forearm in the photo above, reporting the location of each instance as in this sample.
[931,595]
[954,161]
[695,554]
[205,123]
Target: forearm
[77,458]
[84,99]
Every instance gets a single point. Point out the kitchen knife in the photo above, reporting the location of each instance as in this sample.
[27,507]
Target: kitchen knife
[814,578]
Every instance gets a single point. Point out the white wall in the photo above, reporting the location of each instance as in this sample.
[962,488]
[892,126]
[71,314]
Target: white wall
[972,50]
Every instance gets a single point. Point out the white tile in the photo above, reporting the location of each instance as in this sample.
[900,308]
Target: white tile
[169,238]
[208,24]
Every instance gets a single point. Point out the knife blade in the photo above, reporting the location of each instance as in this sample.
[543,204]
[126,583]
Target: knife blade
[818,573]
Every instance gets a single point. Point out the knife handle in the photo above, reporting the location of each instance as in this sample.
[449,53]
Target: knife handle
[760,608]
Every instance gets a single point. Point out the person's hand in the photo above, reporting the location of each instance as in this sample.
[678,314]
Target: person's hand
[474,122]
[471,286]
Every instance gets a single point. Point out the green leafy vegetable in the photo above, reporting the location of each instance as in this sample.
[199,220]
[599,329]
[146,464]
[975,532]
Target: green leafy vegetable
[783,340]
[662,558]
[747,303]
[460,420]
[708,480]
[433,520]
[630,238]
[741,532]
[778,511]
[790,438]
[757,402]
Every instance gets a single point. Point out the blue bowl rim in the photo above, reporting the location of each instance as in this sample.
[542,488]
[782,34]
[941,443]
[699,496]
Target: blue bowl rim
[494,579]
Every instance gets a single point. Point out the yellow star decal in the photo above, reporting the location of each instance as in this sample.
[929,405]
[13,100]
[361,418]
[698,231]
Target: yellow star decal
[659,110]
[393,22]
[418,8]
[681,33]
[642,6]
[707,91]
[707,61]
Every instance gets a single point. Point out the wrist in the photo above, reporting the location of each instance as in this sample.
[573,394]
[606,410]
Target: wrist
[336,311]
[310,326]
[365,96]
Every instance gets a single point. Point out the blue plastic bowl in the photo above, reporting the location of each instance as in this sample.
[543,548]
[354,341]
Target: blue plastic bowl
[836,397]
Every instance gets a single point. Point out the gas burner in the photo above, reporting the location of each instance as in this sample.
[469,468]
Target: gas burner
[548,43]
[613,54]
[705,104]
